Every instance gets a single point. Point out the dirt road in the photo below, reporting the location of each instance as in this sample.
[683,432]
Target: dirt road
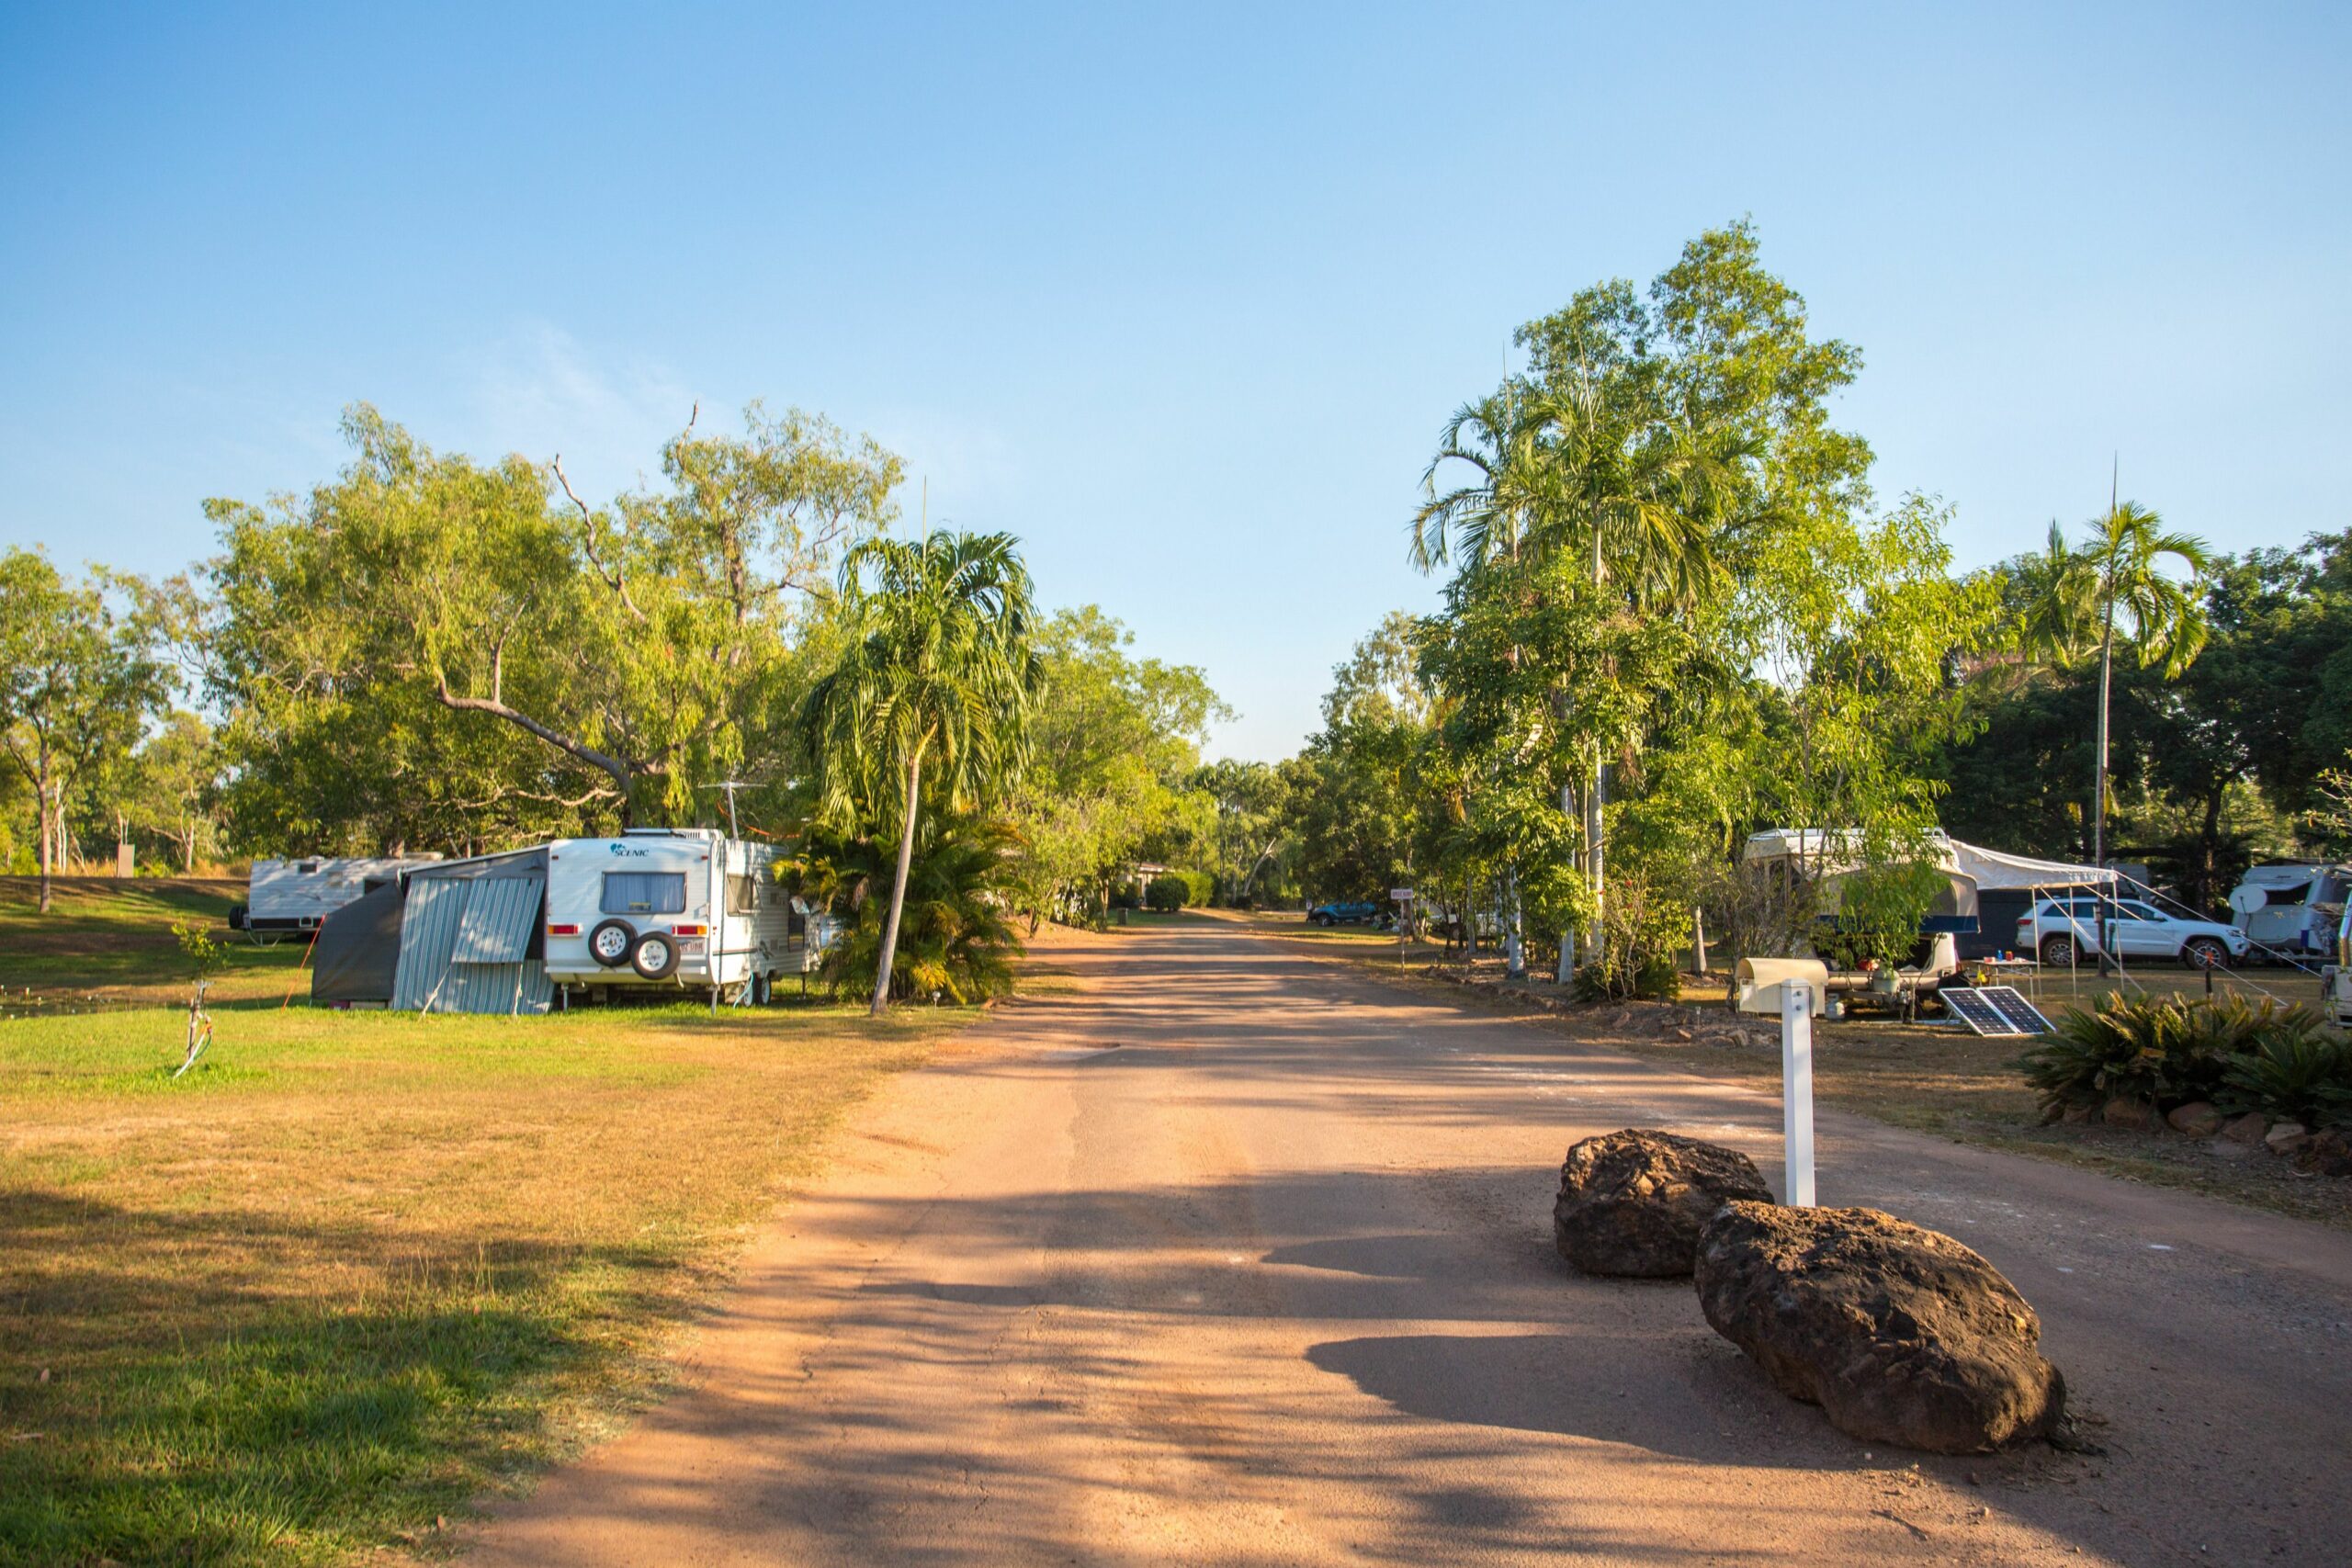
[1239,1257]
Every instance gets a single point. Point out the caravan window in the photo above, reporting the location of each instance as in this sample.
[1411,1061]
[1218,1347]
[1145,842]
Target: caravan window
[743,894]
[645,892]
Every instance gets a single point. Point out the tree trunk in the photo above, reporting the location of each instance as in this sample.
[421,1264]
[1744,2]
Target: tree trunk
[898,890]
[2098,789]
[1597,858]
[1566,971]
[1469,927]
[2209,851]
[1514,943]
[42,809]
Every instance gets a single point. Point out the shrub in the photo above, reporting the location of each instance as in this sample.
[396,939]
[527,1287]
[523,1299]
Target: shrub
[2168,1051]
[2298,1073]
[954,942]
[1642,935]
[1168,893]
[1653,976]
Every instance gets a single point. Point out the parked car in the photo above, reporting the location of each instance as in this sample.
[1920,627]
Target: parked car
[2064,930]
[1344,915]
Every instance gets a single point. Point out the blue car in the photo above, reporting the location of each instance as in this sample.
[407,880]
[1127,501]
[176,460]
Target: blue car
[1344,915]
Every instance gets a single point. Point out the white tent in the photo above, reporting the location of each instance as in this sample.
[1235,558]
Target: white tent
[1994,871]
[1990,870]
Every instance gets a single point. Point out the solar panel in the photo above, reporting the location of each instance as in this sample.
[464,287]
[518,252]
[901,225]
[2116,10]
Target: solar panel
[1974,1009]
[2011,1004]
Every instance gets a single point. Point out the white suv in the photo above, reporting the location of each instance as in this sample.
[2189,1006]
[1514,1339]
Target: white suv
[2065,930]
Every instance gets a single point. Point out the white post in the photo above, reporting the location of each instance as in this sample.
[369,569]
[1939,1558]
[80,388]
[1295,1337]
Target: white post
[1796,1091]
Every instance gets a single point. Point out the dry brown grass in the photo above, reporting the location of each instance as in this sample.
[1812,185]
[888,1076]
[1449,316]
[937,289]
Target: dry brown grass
[361,1266]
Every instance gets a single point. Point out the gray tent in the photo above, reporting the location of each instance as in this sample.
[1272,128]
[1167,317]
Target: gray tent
[472,937]
[459,936]
[357,951]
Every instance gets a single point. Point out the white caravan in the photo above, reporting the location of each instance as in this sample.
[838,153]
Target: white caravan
[2292,906]
[677,907]
[290,897]
[2335,980]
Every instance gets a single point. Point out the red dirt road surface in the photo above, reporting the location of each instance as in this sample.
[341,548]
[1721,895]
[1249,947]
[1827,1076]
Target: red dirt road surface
[1239,1257]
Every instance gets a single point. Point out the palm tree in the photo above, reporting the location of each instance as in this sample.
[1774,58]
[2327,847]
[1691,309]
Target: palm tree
[2112,587]
[939,676]
[1562,468]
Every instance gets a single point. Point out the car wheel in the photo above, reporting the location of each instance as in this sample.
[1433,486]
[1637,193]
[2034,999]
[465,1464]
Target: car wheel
[655,956]
[2204,952]
[610,942]
[1318,919]
[2058,951]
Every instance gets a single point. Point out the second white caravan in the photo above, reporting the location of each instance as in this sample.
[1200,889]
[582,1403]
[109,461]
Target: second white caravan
[681,907]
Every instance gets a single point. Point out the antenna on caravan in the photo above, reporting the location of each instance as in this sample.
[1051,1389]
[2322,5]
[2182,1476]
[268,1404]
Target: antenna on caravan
[729,786]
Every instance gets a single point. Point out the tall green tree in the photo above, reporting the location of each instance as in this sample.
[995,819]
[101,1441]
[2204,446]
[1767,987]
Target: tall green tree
[2116,588]
[939,673]
[77,683]
[1114,742]
[432,647]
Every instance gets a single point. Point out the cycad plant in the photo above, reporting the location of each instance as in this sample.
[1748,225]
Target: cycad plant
[2299,1072]
[934,687]
[955,940]
[2243,1055]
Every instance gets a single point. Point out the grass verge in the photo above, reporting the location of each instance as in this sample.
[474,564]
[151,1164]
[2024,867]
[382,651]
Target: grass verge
[356,1268]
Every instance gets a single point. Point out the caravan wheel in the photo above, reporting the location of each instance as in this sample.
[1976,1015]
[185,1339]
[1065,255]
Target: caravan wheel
[655,956]
[762,989]
[610,942]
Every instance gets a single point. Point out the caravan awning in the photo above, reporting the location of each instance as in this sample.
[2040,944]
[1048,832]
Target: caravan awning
[1995,871]
[1832,853]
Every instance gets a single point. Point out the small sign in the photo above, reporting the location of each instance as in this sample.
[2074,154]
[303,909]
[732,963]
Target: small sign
[1402,895]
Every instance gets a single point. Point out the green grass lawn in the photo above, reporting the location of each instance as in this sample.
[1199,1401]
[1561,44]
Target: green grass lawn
[358,1267]
[112,943]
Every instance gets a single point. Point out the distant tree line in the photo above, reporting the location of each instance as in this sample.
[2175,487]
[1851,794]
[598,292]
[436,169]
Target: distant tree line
[430,652]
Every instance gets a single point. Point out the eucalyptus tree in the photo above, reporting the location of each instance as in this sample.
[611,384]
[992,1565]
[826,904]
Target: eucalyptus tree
[1114,750]
[425,643]
[77,681]
[939,673]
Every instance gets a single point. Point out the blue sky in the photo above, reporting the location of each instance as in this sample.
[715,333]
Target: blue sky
[1179,294]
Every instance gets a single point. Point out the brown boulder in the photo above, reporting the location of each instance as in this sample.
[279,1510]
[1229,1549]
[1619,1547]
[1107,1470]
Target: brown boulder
[2327,1154]
[1634,1203]
[1900,1335]
[2125,1112]
[2286,1138]
[2247,1129]
[2198,1119]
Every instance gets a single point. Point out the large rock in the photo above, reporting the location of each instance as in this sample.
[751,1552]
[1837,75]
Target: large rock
[2327,1154]
[2286,1138]
[2248,1130]
[2198,1119]
[1634,1203]
[1900,1335]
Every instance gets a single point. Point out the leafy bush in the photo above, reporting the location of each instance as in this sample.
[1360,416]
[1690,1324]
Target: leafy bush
[1168,893]
[955,942]
[1642,939]
[2169,1051]
[2299,1073]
